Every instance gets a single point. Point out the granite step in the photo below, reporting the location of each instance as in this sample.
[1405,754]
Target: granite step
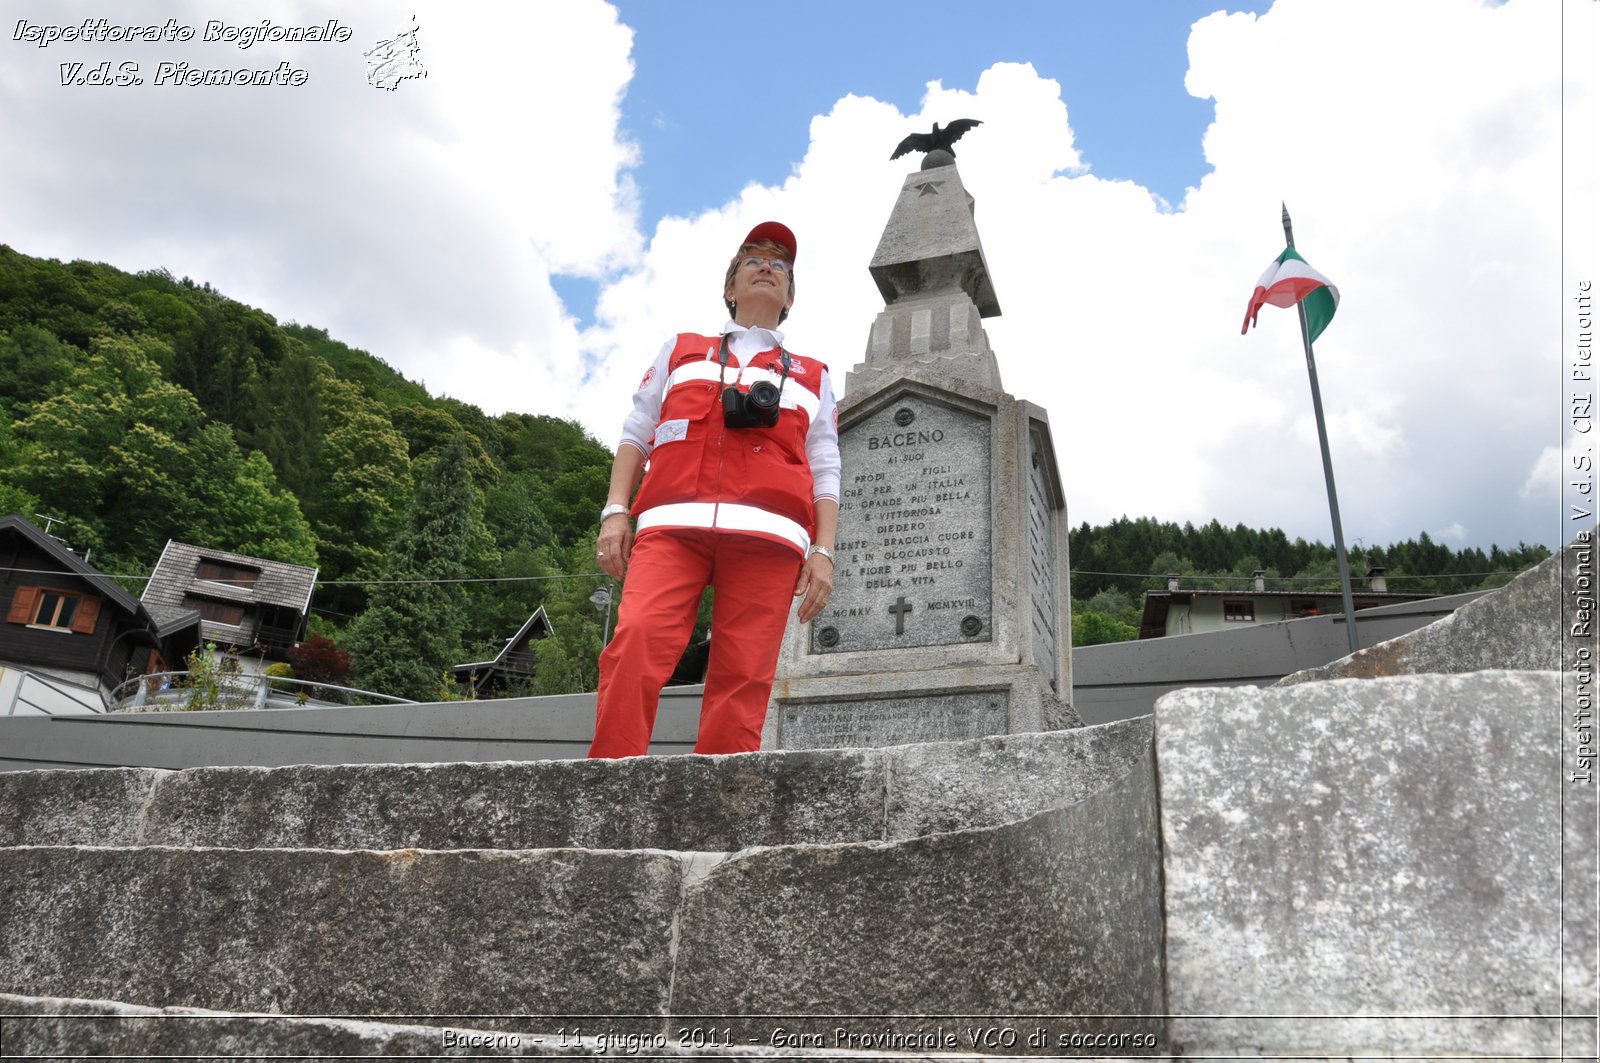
[58,1027]
[687,803]
[1016,874]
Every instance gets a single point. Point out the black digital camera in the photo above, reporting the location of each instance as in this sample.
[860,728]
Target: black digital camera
[756,408]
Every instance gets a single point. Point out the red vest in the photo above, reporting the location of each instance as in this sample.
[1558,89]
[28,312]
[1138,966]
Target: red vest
[703,474]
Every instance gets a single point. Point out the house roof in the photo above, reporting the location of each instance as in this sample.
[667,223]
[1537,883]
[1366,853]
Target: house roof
[176,576]
[524,635]
[163,627]
[70,561]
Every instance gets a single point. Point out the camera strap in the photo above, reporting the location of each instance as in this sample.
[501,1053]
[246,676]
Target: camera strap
[722,359]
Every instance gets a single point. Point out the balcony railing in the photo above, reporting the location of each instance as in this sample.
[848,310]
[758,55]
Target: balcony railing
[181,691]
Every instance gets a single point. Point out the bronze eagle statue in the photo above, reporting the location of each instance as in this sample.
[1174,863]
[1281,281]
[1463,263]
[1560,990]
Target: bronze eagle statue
[937,139]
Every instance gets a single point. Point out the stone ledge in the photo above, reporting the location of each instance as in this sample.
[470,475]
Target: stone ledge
[75,807]
[57,1027]
[551,931]
[1054,909]
[688,803]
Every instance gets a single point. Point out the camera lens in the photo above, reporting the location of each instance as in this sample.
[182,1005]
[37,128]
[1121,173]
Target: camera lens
[763,396]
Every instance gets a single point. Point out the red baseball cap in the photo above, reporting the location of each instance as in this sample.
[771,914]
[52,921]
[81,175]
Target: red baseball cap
[775,231]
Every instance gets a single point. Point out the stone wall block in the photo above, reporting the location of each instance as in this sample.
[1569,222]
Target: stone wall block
[1059,913]
[469,933]
[1376,848]
[78,808]
[1005,778]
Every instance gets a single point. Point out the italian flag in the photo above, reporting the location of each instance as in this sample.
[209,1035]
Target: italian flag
[1286,282]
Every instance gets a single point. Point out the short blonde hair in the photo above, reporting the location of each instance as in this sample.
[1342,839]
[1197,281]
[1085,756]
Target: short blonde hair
[769,248]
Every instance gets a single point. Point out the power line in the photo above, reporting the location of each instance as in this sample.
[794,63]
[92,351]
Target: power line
[1221,576]
[337,582]
[601,575]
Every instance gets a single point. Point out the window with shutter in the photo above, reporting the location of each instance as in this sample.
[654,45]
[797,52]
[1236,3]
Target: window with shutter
[88,613]
[53,608]
[22,604]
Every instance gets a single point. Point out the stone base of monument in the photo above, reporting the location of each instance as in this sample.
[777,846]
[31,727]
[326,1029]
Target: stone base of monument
[950,615]
[930,706]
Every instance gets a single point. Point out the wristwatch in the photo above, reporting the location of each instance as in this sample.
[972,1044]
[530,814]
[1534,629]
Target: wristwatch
[815,549]
[612,510]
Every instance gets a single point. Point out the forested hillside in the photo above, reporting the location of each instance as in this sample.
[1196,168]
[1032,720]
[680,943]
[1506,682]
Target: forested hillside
[141,407]
[138,407]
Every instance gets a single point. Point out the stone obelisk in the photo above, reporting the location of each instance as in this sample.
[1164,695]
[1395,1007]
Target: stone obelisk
[951,611]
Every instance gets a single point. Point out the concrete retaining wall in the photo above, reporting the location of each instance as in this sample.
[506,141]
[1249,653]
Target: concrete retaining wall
[1119,681]
[508,729]
[1531,624]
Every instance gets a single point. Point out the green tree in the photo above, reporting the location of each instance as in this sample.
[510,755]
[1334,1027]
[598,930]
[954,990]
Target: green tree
[13,499]
[33,365]
[1090,628]
[364,481]
[411,632]
[426,429]
[130,459]
[287,424]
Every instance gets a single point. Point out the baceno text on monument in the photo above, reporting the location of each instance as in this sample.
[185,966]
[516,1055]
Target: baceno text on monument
[914,563]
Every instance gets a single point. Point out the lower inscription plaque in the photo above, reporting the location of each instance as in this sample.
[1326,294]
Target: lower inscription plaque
[913,556]
[895,721]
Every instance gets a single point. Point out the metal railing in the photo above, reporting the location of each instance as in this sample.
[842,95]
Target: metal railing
[211,690]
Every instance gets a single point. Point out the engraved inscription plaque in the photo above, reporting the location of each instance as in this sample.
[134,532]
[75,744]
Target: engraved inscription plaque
[914,531]
[895,721]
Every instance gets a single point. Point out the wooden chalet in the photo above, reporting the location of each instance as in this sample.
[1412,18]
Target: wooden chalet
[515,663]
[72,635]
[249,606]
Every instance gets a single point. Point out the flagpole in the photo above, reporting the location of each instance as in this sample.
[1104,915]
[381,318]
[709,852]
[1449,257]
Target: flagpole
[1327,459]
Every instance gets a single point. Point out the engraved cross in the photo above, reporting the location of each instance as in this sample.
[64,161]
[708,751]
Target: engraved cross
[900,608]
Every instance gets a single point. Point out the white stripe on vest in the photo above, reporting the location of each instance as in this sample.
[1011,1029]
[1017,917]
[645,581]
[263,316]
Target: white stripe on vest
[724,516]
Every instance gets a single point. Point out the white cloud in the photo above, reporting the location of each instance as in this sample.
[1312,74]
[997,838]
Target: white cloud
[421,224]
[1545,475]
[1419,161]
[1417,144]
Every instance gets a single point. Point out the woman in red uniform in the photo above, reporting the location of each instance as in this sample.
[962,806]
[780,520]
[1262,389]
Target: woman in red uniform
[741,494]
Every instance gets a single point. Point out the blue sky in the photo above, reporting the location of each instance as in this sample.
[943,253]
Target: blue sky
[523,227]
[1120,64]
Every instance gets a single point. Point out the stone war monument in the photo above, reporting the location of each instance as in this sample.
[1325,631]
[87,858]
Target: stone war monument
[951,612]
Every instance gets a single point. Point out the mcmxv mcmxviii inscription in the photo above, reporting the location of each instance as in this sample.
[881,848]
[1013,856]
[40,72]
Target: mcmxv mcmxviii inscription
[914,531]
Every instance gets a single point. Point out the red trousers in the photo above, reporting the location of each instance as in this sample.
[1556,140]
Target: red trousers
[753,580]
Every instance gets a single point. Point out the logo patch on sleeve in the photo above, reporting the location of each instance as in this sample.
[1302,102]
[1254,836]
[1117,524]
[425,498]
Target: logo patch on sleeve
[649,375]
[672,431]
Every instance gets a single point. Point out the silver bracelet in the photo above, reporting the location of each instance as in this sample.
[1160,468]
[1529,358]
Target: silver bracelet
[815,549]
[612,510]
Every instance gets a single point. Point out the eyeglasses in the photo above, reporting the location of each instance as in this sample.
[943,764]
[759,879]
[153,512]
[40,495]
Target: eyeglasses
[778,265]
